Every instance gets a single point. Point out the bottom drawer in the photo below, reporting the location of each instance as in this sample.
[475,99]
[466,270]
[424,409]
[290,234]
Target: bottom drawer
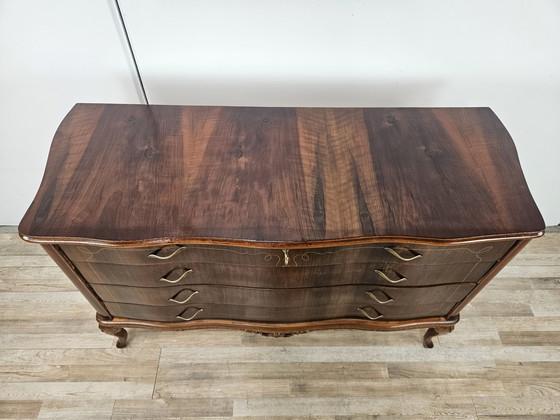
[333,296]
[368,309]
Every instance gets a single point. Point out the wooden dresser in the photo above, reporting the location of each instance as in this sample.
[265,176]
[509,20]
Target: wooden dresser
[281,220]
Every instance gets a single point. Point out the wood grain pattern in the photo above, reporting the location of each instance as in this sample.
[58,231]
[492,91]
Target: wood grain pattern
[281,277]
[82,409]
[279,317]
[19,409]
[291,300]
[488,251]
[136,174]
[171,408]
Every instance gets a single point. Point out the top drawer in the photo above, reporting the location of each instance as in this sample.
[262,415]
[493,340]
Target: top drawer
[400,253]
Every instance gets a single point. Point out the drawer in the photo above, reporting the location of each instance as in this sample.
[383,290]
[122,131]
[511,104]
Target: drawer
[289,298]
[393,253]
[280,277]
[400,308]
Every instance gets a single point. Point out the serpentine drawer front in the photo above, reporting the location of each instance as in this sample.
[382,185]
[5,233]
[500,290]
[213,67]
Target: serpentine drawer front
[369,264]
[281,220]
[389,253]
[360,295]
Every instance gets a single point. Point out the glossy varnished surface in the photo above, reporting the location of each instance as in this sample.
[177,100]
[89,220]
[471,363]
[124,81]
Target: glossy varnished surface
[309,267]
[131,174]
[402,275]
[278,316]
[292,300]
[305,257]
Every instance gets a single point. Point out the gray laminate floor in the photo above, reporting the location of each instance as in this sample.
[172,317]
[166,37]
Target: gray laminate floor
[502,360]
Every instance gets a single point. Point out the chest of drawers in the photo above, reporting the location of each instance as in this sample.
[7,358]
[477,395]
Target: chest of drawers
[281,220]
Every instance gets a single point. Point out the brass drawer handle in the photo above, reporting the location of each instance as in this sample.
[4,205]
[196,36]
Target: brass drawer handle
[179,279]
[191,317]
[400,257]
[195,292]
[155,255]
[370,317]
[371,295]
[384,277]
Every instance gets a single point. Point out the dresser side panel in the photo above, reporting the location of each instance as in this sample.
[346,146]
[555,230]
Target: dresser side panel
[515,249]
[75,277]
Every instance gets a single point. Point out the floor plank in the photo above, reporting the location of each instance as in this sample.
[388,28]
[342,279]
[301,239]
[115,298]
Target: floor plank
[411,387]
[529,338]
[240,372]
[75,390]
[78,373]
[440,405]
[86,409]
[83,356]
[19,409]
[25,261]
[176,408]
[333,354]
[250,388]
[514,406]
[481,371]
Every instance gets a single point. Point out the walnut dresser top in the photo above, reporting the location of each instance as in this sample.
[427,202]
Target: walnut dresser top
[281,221]
[139,174]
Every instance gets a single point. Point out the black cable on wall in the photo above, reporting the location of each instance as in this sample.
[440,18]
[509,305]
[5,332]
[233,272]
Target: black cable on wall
[117,5]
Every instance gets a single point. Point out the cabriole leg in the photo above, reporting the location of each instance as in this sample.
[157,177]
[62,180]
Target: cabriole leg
[118,332]
[432,332]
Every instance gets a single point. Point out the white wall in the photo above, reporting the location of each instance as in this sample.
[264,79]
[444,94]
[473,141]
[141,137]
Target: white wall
[52,55]
[503,54]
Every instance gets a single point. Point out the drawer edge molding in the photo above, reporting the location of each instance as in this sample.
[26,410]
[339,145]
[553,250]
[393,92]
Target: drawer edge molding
[281,328]
[277,244]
